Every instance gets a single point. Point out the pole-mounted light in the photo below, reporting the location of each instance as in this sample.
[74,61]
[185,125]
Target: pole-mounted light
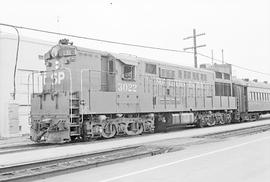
[16,59]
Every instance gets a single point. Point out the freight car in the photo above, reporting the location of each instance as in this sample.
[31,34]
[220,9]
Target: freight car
[90,94]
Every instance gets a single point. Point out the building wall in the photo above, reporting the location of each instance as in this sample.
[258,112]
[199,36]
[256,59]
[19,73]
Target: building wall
[30,58]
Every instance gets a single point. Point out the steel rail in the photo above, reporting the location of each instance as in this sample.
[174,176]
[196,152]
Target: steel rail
[35,146]
[237,132]
[40,169]
[62,165]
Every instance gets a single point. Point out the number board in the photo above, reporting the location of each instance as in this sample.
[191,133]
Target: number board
[126,87]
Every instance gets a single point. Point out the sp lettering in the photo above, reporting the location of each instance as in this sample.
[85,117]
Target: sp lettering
[56,77]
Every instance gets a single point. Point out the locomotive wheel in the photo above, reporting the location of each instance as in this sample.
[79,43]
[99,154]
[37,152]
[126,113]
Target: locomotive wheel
[132,132]
[148,126]
[257,117]
[210,121]
[228,119]
[221,120]
[200,123]
[74,139]
[109,131]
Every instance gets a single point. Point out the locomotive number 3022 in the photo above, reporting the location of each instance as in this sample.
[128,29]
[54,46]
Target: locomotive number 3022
[126,87]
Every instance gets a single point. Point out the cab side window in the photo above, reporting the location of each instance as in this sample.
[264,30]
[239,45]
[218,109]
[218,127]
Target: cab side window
[129,72]
[111,66]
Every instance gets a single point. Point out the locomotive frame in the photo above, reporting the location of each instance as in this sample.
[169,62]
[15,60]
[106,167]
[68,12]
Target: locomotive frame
[88,94]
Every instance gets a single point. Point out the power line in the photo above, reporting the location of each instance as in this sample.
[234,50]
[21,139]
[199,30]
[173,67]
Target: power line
[247,69]
[128,44]
[95,39]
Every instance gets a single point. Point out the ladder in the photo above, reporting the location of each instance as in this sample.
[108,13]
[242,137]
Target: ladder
[74,112]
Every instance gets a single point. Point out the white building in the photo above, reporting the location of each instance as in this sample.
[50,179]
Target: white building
[14,114]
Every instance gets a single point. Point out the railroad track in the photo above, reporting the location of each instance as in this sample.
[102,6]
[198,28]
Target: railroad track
[52,167]
[237,132]
[35,146]
[177,144]
[19,148]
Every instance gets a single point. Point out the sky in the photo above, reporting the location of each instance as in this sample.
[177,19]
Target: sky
[240,27]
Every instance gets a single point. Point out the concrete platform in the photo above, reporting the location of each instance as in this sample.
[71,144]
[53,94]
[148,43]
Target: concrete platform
[50,153]
[238,159]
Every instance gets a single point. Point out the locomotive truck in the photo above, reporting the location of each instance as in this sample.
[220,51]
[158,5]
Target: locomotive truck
[89,94]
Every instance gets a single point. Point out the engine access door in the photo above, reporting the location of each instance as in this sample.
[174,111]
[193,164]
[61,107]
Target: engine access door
[107,74]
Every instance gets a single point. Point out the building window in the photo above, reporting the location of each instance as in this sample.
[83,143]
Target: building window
[151,68]
[129,72]
[219,75]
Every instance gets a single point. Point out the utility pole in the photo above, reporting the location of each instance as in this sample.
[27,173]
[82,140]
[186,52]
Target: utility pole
[212,54]
[194,45]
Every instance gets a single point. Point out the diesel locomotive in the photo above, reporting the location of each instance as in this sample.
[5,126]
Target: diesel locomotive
[90,94]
